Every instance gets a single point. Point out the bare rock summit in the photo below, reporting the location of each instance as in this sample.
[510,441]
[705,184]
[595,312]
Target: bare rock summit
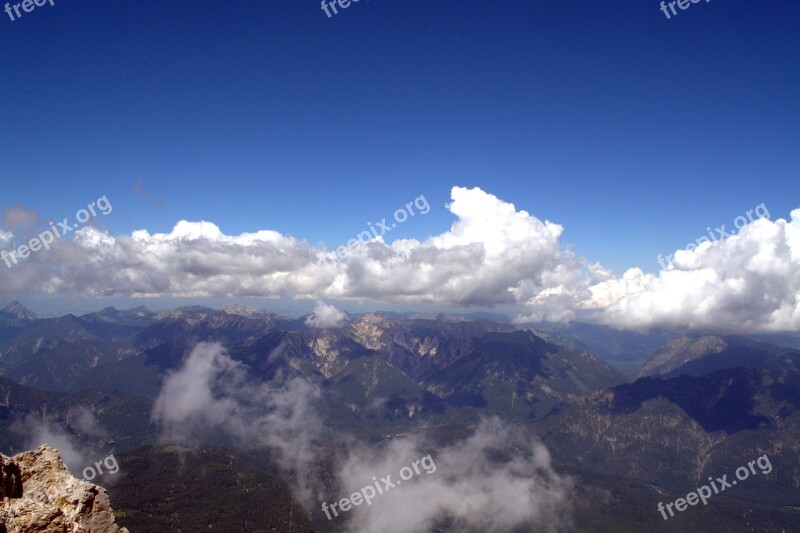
[40,495]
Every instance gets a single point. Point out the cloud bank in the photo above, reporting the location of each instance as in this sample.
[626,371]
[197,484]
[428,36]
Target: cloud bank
[492,254]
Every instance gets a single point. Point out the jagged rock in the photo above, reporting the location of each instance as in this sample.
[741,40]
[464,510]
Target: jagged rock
[40,495]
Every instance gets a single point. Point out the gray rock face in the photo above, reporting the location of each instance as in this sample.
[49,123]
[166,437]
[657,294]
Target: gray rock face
[40,495]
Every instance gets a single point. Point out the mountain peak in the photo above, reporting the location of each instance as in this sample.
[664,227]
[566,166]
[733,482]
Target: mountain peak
[15,313]
[680,351]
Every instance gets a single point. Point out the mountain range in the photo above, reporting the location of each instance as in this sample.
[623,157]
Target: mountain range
[700,405]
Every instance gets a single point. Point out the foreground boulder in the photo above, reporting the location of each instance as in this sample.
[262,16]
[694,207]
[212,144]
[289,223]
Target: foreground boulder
[40,495]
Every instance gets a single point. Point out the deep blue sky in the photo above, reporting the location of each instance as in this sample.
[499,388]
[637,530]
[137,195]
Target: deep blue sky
[633,131]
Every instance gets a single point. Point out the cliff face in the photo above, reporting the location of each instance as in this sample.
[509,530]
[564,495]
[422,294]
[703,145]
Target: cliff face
[40,495]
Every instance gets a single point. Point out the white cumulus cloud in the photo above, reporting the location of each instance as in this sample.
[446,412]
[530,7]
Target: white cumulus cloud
[492,254]
[325,316]
[747,282]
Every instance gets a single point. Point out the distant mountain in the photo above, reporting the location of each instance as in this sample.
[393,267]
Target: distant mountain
[675,433]
[785,340]
[453,361]
[718,401]
[516,374]
[135,317]
[50,334]
[161,346]
[624,350]
[50,353]
[417,367]
[183,328]
[451,317]
[701,354]
[53,368]
[247,311]
[419,346]
[126,418]
[313,351]
[16,314]
[370,393]
[273,320]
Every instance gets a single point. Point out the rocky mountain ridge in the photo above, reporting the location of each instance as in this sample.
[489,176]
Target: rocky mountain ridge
[41,496]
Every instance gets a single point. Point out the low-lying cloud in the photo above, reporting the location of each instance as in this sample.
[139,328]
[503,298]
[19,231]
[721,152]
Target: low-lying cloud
[325,316]
[211,393]
[498,479]
[79,439]
[495,480]
[493,254]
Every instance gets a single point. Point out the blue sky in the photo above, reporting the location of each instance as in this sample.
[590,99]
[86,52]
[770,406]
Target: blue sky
[632,131]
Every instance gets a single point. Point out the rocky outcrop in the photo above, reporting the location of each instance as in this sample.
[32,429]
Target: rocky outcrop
[40,495]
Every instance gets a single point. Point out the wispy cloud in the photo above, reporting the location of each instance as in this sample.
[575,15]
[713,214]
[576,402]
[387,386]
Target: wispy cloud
[19,216]
[212,393]
[139,191]
[496,479]
[79,439]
